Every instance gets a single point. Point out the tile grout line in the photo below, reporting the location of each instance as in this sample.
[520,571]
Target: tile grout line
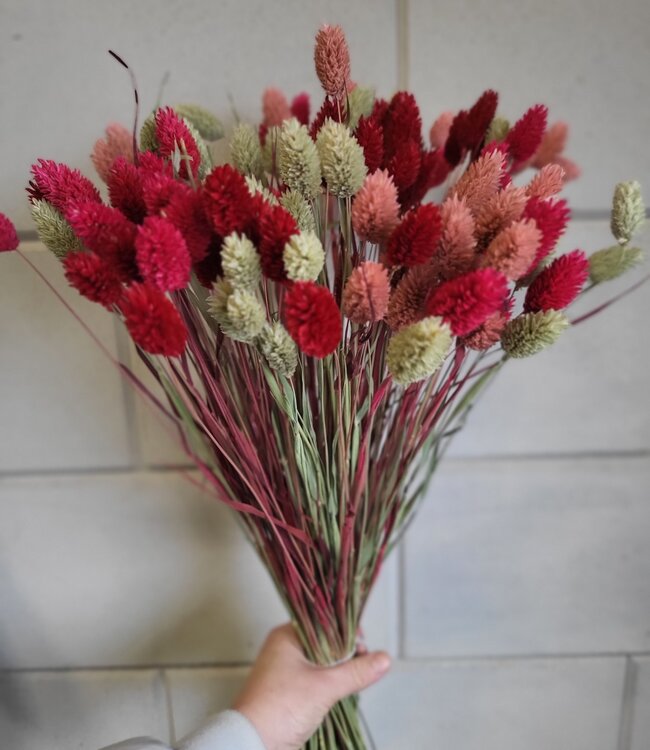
[627,705]
[169,704]
[403,72]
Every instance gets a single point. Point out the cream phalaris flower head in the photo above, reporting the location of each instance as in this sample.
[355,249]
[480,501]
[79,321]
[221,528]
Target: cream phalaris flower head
[360,103]
[53,230]
[417,351]
[303,257]
[255,186]
[206,124]
[529,333]
[240,262]
[341,157]
[498,129]
[628,211]
[246,150]
[608,264]
[270,150]
[278,348]
[300,209]
[238,312]
[297,159]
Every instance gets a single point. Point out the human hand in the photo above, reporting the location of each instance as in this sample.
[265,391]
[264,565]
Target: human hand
[286,697]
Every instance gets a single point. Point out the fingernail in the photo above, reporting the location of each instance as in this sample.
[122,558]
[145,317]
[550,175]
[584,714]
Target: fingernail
[381,662]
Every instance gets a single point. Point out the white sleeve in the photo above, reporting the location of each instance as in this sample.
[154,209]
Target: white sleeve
[228,730]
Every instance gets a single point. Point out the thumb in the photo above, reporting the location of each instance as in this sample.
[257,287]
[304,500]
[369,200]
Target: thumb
[358,673]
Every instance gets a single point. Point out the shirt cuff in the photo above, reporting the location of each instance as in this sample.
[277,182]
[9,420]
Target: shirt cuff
[228,730]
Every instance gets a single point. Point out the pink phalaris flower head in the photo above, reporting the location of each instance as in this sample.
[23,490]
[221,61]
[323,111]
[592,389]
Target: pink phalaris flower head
[365,297]
[300,108]
[525,136]
[467,301]
[331,109]
[439,131]
[118,142]
[60,185]
[487,334]
[457,247]
[93,277]
[402,122]
[227,200]
[468,127]
[106,231]
[8,235]
[406,302]
[162,255]
[405,164]
[173,134]
[500,210]
[551,217]
[313,318]
[125,189]
[558,284]
[414,239]
[370,136]
[152,321]
[481,181]
[275,227]
[332,60]
[512,251]
[375,210]
[275,107]
[551,150]
[547,182]
[186,211]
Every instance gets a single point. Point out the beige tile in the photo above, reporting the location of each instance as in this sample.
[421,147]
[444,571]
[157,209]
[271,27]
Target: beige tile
[80,710]
[538,704]
[586,60]
[62,404]
[531,557]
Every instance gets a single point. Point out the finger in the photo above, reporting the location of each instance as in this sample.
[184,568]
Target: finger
[358,674]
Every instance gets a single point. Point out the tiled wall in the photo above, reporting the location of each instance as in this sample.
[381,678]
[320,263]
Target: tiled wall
[518,609]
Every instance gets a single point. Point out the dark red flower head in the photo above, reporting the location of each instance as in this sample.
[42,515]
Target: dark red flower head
[186,211]
[300,108]
[402,122]
[227,200]
[8,236]
[161,254]
[404,166]
[173,135]
[93,277]
[313,318]
[331,109]
[414,239]
[370,135]
[558,284]
[125,189]
[60,185]
[275,226]
[525,136]
[152,320]
[468,128]
[467,301]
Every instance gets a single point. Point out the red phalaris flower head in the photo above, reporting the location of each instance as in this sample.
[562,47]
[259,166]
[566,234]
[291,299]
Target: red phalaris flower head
[186,211]
[552,218]
[106,231]
[332,60]
[365,297]
[8,235]
[209,268]
[125,189]
[227,200]
[405,164]
[467,301]
[331,109]
[468,128]
[173,135]
[93,277]
[275,227]
[118,143]
[402,122]
[161,254]
[415,238]
[60,185]
[370,136]
[439,131]
[558,284]
[375,209]
[525,136]
[300,108]
[275,107]
[313,318]
[433,171]
[152,321]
